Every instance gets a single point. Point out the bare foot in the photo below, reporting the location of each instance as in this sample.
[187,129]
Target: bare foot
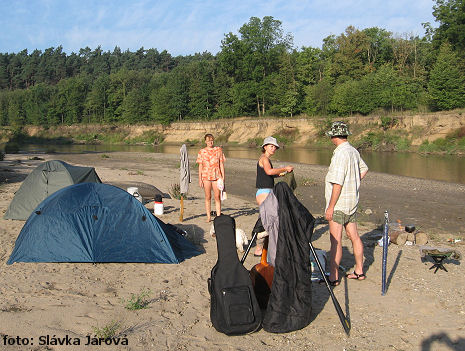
[208,220]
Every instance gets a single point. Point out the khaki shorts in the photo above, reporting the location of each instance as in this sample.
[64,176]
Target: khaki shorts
[341,218]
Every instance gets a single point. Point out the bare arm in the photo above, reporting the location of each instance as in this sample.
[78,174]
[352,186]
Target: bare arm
[336,192]
[363,174]
[222,169]
[200,175]
[273,171]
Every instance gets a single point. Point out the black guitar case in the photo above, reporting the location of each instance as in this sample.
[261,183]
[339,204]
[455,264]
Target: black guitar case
[234,308]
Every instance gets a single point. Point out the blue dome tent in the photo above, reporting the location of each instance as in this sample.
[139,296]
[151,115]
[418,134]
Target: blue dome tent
[94,222]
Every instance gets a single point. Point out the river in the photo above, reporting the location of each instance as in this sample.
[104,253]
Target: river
[448,168]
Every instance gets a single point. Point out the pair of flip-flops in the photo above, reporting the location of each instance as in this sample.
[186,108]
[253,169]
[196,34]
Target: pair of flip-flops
[356,276]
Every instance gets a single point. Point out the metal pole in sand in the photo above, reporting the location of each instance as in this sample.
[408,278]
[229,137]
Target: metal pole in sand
[385,251]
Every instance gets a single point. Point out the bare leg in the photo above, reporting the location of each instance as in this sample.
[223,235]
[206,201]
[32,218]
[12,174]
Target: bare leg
[352,234]
[335,230]
[207,187]
[217,194]
[258,248]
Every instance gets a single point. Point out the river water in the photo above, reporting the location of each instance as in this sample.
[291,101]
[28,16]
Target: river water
[446,168]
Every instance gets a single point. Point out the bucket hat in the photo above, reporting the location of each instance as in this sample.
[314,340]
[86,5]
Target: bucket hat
[338,128]
[270,140]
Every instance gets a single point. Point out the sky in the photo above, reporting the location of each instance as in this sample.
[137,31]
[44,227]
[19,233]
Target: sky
[185,27]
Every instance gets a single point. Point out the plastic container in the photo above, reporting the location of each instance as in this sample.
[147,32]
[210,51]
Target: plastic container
[134,191]
[158,206]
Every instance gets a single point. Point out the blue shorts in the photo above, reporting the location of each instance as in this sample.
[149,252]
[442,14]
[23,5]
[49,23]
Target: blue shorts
[263,191]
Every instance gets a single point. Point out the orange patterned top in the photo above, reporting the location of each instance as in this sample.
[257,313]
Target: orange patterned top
[210,160]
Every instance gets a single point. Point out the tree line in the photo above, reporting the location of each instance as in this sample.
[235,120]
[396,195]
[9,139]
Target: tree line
[257,72]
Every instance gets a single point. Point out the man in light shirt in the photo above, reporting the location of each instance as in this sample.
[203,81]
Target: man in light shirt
[342,185]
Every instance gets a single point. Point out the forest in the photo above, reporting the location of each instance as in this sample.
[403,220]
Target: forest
[257,72]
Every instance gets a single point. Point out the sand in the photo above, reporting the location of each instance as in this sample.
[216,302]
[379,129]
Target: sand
[420,311]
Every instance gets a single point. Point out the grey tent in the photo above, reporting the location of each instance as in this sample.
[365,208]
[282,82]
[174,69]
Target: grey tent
[43,181]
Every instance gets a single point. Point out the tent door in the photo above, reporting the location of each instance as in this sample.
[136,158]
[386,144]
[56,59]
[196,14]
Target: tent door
[56,180]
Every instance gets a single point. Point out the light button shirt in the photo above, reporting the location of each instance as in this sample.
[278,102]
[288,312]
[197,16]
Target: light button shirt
[345,169]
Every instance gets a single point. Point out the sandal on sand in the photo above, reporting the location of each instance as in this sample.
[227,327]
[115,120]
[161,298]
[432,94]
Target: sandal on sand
[356,276]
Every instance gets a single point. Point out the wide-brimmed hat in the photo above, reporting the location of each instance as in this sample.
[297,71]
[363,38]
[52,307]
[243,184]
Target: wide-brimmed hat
[270,140]
[338,128]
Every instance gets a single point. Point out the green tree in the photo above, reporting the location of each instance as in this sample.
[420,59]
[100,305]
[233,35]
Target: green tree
[451,17]
[348,62]
[97,100]
[446,85]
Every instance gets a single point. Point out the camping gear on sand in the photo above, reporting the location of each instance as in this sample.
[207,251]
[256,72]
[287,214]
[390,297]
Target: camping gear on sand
[158,206]
[234,309]
[134,191]
[439,254]
[44,180]
[385,251]
[262,277]
[290,301]
[344,320]
[92,222]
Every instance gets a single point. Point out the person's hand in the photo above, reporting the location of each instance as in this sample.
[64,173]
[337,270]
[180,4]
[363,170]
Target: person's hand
[289,168]
[201,183]
[329,213]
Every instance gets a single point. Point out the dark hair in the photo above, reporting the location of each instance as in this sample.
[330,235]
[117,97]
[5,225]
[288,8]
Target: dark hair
[263,149]
[209,136]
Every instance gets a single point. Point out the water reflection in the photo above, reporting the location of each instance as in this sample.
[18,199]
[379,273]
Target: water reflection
[439,167]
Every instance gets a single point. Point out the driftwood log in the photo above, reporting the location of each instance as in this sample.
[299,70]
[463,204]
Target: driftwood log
[398,237]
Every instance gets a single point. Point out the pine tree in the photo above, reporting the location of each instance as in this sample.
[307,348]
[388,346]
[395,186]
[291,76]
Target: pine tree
[446,85]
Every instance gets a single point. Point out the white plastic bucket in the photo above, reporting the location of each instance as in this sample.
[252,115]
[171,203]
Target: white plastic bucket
[158,208]
[134,191]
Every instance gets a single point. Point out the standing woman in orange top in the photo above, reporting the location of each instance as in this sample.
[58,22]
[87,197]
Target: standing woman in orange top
[211,168]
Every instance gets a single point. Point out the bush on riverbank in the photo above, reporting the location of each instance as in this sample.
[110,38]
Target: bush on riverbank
[454,143]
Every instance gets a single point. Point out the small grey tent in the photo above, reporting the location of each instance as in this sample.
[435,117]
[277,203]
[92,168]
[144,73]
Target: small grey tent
[43,181]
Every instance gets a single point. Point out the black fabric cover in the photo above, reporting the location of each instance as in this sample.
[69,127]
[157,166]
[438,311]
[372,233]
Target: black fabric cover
[290,304]
[233,307]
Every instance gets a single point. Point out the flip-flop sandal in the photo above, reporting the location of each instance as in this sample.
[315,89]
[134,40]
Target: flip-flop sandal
[357,276]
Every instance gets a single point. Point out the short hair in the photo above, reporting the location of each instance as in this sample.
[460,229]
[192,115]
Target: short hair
[208,135]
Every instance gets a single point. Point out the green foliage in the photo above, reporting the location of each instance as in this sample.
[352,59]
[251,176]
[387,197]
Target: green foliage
[108,331]
[256,73]
[306,181]
[453,142]
[450,16]
[384,141]
[388,122]
[223,138]
[254,142]
[323,125]
[447,82]
[149,137]
[286,136]
[139,301]
[175,191]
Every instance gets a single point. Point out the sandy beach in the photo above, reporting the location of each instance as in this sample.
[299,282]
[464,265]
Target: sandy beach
[420,311]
